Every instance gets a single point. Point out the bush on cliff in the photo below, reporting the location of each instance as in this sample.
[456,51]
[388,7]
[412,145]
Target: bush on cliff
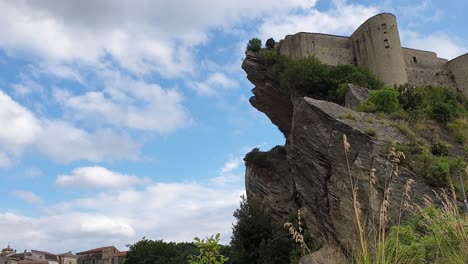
[270,43]
[255,44]
[310,77]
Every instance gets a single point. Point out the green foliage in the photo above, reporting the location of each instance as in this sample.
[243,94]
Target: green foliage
[440,149]
[256,239]
[348,115]
[385,100]
[255,44]
[257,158]
[433,235]
[159,252]
[275,61]
[436,170]
[438,103]
[459,128]
[278,149]
[209,251]
[371,132]
[310,77]
[270,43]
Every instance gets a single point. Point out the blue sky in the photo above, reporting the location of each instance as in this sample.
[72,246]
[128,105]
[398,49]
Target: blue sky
[124,119]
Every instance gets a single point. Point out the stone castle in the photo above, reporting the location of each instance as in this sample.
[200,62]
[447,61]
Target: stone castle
[376,45]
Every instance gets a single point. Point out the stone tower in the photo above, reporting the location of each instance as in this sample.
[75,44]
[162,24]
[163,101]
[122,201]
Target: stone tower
[376,44]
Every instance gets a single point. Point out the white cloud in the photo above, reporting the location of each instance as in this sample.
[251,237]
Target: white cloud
[96,177]
[128,103]
[141,36]
[231,165]
[19,128]
[213,84]
[445,46]
[58,140]
[27,196]
[64,143]
[169,211]
[343,19]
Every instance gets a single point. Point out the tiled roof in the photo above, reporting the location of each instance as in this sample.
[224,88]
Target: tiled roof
[121,254]
[43,252]
[94,250]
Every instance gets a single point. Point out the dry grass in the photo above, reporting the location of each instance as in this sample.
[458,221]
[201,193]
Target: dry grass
[446,223]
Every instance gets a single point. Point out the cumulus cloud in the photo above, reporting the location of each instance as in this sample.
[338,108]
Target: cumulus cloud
[342,19]
[169,211]
[27,196]
[227,173]
[445,46]
[127,103]
[211,86]
[58,140]
[141,36]
[98,177]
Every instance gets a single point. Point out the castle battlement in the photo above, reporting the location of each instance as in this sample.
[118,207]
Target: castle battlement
[376,45]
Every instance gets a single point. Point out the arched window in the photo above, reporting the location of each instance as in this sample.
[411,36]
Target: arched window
[83,261]
[93,260]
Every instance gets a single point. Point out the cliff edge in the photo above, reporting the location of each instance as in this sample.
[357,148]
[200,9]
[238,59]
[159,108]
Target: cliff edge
[311,173]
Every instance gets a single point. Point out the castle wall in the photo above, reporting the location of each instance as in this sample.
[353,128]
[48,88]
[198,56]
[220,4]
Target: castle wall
[376,44]
[459,68]
[425,68]
[329,49]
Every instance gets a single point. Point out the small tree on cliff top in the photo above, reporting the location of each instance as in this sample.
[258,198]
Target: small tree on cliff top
[255,44]
[270,43]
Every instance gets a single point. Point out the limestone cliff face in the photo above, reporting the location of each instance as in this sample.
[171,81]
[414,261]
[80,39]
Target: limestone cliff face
[313,173]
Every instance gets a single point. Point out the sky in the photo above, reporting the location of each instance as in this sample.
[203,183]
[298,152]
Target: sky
[124,119]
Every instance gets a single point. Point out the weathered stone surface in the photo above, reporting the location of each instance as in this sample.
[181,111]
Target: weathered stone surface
[355,95]
[268,98]
[326,255]
[273,186]
[313,174]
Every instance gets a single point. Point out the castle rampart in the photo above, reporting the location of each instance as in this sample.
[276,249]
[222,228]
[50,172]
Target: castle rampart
[376,45]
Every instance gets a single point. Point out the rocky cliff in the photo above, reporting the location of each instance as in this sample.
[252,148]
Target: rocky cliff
[312,174]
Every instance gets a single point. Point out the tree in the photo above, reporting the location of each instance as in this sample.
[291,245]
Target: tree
[148,251]
[270,43]
[255,44]
[256,238]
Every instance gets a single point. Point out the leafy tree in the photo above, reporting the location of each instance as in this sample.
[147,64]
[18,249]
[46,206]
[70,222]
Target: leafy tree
[256,238]
[159,252]
[209,251]
[255,44]
[270,43]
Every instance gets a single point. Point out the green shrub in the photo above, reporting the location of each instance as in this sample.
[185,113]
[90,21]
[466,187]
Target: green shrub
[348,115]
[270,43]
[371,132]
[366,106]
[257,158]
[440,149]
[255,44]
[439,103]
[459,127]
[385,100]
[278,149]
[432,235]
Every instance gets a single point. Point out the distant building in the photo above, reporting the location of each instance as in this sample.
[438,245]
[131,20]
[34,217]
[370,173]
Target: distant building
[27,261]
[37,255]
[8,256]
[102,255]
[67,258]
[119,257]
